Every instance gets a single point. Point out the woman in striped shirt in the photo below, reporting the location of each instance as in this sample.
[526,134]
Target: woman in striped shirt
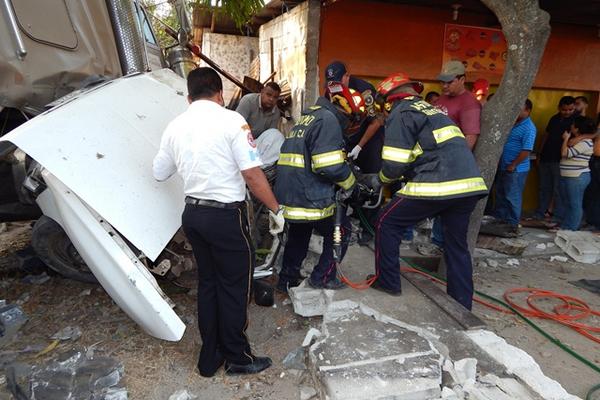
[575,172]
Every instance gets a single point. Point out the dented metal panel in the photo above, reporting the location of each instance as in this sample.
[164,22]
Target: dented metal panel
[101,145]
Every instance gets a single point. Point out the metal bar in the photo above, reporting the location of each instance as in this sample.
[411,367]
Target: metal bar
[11,20]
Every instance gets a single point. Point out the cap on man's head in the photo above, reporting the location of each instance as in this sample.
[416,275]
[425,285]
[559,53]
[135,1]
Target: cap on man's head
[451,70]
[335,71]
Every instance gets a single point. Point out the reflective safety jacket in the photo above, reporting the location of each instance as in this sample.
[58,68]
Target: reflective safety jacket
[426,148]
[312,163]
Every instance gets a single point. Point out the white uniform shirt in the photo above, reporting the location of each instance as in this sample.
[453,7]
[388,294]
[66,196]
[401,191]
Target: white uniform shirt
[209,146]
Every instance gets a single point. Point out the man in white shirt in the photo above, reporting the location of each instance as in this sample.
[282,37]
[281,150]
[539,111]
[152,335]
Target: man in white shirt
[213,150]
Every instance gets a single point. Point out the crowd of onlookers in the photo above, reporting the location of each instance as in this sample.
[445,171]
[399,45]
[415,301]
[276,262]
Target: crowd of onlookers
[568,163]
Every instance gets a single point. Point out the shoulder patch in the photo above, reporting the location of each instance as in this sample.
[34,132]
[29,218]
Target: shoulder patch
[314,107]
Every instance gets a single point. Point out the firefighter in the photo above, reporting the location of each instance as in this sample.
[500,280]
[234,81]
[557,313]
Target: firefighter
[429,152]
[311,168]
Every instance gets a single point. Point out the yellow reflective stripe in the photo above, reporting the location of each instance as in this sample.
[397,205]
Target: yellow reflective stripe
[384,178]
[297,213]
[426,189]
[291,160]
[447,133]
[327,159]
[401,155]
[348,182]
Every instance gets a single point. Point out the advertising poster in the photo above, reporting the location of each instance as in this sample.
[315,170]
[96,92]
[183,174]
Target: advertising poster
[482,50]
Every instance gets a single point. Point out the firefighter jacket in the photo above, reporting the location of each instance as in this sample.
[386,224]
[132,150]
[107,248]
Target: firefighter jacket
[424,147]
[312,164]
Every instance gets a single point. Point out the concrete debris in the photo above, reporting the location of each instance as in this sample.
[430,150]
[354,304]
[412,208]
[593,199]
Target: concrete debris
[520,364]
[24,298]
[85,292]
[67,333]
[295,359]
[513,247]
[3,227]
[182,394]
[307,392]
[512,262]
[540,246]
[549,244]
[510,386]
[310,335]
[309,302]
[493,263]
[583,247]
[466,370]
[559,258]
[449,394]
[36,279]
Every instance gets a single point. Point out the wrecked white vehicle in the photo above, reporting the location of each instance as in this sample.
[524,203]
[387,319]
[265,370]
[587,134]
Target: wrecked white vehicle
[84,99]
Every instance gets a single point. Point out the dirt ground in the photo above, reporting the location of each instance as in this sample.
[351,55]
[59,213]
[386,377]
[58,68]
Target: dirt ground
[155,369]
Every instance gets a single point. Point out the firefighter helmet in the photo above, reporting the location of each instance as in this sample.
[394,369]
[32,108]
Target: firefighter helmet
[387,89]
[349,101]
[394,81]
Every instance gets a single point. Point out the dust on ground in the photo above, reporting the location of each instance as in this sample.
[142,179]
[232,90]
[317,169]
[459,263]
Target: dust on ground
[155,369]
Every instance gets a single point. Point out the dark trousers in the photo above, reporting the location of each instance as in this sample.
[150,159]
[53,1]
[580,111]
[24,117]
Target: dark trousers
[296,247]
[401,213]
[223,250]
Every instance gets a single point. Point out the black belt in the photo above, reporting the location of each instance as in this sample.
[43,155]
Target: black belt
[213,203]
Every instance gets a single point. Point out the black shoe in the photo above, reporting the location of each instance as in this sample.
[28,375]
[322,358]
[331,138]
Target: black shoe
[208,373]
[377,286]
[259,364]
[283,286]
[333,284]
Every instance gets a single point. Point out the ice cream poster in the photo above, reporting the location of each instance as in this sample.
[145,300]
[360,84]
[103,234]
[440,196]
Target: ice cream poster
[482,50]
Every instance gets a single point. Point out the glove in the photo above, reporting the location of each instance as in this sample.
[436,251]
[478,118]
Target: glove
[355,152]
[276,221]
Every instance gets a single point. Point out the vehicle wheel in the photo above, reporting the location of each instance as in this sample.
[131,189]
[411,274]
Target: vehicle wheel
[54,247]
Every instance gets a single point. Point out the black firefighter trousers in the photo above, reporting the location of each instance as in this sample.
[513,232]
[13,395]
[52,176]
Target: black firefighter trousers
[224,253]
[401,213]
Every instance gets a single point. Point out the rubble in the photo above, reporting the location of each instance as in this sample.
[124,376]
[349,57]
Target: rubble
[520,364]
[559,258]
[295,359]
[309,302]
[513,247]
[67,333]
[307,392]
[182,394]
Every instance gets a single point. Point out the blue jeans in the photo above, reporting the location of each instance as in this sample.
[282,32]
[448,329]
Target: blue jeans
[509,196]
[572,193]
[437,232]
[549,189]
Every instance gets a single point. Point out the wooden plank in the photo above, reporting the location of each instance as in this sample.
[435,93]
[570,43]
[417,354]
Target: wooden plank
[464,317]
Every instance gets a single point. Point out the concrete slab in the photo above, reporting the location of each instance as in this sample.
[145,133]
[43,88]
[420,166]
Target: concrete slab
[362,358]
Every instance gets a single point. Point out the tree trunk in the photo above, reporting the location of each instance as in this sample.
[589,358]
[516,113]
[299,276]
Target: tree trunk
[526,28]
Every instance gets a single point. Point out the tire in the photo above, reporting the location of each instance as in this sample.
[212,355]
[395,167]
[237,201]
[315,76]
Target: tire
[55,249]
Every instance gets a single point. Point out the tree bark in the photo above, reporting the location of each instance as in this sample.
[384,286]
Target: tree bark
[526,28]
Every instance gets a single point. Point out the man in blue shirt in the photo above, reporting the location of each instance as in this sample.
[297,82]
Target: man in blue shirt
[514,167]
